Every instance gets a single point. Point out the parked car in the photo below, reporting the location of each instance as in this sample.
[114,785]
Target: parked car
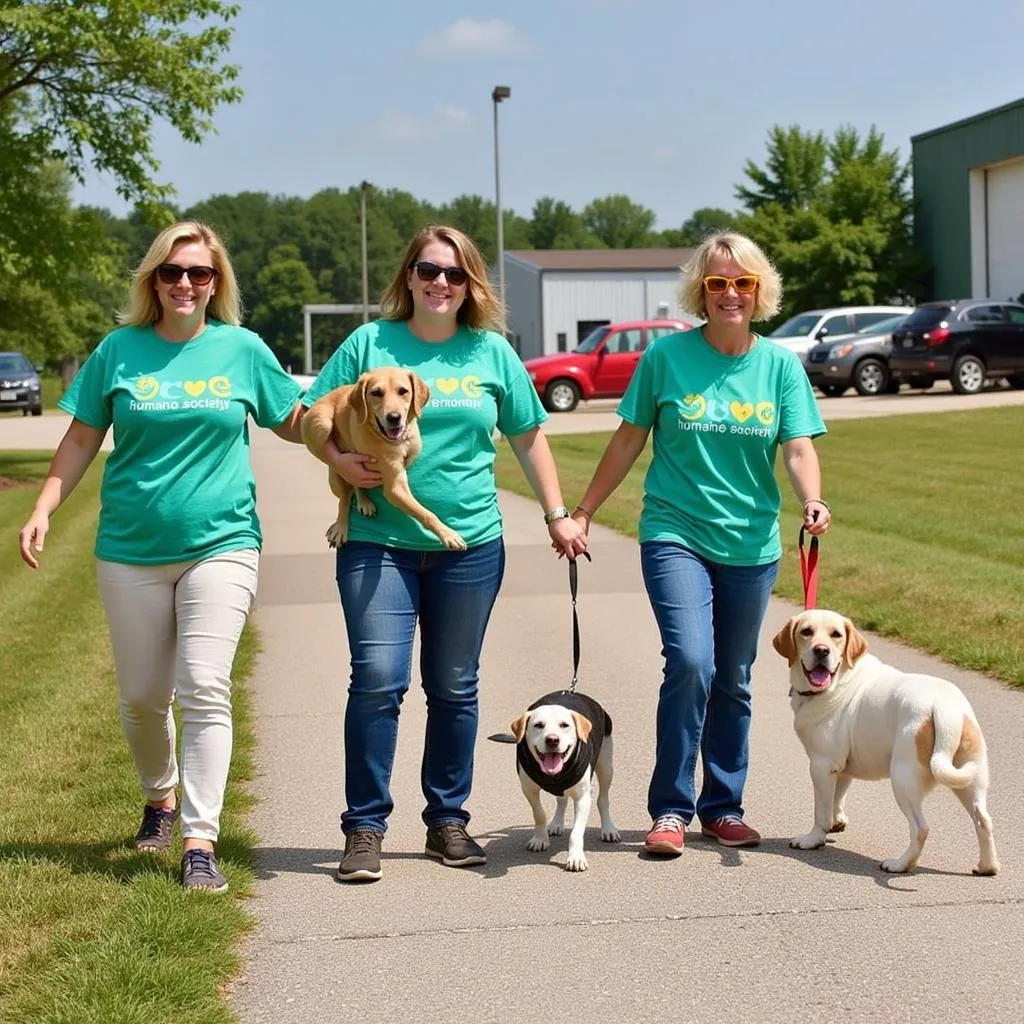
[601,366]
[967,341]
[802,331]
[20,387]
[860,359]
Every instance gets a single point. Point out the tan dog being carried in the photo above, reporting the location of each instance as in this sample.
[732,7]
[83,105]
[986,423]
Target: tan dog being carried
[375,416]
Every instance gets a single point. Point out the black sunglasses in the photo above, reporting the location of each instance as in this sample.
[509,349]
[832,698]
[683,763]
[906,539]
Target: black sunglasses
[171,273]
[427,271]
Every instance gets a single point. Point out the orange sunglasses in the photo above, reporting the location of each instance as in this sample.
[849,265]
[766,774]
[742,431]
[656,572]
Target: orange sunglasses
[744,284]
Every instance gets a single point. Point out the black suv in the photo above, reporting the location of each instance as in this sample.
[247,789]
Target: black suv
[966,341]
[20,387]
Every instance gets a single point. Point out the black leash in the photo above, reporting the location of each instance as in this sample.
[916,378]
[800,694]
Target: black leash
[573,581]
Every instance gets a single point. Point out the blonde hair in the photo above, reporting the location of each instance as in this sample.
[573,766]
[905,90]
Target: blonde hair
[143,306]
[481,308]
[749,255]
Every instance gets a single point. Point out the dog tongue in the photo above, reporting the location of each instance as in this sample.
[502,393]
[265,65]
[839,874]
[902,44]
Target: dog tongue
[819,676]
[552,764]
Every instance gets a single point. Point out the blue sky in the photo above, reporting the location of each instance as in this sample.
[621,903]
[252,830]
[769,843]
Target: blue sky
[663,100]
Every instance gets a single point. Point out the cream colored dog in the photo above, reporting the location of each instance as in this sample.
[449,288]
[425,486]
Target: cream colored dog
[376,416]
[859,718]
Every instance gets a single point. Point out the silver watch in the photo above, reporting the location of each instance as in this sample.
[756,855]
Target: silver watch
[556,513]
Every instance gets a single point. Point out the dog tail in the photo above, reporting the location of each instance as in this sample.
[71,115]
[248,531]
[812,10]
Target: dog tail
[959,747]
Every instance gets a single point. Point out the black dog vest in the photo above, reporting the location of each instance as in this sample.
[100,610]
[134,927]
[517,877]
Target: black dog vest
[584,755]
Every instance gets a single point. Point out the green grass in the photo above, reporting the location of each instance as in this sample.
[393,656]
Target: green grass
[928,539]
[92,931]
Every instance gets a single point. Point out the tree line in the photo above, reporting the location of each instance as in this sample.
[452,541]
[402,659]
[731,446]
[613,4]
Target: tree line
[80,86]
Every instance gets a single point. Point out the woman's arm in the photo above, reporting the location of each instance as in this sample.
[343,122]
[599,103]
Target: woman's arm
[73,457]
[290,429]
[534,455]
[625,445]
[801,461]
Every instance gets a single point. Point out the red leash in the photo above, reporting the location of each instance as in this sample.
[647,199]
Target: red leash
[809,570]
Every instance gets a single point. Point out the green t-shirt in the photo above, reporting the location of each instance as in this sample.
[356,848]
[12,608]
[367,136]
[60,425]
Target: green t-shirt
[477,382]
[718,422]
[178,485]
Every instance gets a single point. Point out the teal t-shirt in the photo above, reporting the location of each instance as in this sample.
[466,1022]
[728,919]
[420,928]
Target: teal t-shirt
[477,382]
[178,485]
[717,422]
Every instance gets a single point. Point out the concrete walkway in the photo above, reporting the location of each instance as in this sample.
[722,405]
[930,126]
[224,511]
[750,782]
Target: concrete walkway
[767,935]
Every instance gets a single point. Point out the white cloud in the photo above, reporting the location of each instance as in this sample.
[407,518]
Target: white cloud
[441,120]
[468,37]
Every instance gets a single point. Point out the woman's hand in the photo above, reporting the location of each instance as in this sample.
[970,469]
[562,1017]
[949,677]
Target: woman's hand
[32,535]
[568,538]
[355,468]
[817,517]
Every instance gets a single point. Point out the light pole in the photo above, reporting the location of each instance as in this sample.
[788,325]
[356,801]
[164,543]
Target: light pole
[501,92]
[362,224]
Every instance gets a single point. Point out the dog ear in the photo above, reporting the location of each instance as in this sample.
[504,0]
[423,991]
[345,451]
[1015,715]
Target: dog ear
[518,727]
[420,394]
[785,640]
[583,726]
[856,645]
[357,398]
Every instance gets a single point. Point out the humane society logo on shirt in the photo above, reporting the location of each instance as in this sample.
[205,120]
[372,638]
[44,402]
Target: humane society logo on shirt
[456,392]
[697,412]
[151,394]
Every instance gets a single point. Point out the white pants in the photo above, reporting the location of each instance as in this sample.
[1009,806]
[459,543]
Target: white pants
[174,630]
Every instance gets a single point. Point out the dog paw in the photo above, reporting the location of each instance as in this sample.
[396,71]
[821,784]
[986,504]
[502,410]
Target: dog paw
[576,862]
[335,536]
[811,841]
[895,866]
[839,825]
[451,540]
[366,508]
[610,835]
[985,870]
[538,843]
[555,828]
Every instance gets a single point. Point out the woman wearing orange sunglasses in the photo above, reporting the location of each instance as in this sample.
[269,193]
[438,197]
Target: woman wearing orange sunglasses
[720,401]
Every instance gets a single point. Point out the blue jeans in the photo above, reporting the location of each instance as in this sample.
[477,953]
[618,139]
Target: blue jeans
[709,616]
[384,591]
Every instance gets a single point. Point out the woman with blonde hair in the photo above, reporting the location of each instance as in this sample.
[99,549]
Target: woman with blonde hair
[441,319]
[178,540]
[720,401]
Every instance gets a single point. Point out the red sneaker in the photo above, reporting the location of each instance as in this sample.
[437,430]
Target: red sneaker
[731,830]
[666,835]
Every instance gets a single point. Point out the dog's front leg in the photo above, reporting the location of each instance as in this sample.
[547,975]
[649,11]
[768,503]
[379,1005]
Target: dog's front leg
[556,826]
[840,819]
[396,490]
[823,776]
[539,840]
[576,860]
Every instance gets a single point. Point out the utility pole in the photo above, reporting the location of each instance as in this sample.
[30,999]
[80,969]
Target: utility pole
[362,223]
[501,92]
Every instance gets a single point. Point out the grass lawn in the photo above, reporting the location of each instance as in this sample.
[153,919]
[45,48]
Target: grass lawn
[92,931]
[928,541]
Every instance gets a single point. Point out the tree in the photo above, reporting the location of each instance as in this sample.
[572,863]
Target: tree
[839,228]
[81,84]
[794,172]
[619,222]
[701,223]
[556,225]
[284,286]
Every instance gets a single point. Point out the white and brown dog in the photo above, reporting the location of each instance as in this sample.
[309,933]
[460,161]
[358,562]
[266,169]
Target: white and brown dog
[563,744]
[859,718]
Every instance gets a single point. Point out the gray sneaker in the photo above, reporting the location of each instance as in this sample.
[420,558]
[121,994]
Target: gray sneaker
[361,860]
[199,872]
[452,845]
[154,835]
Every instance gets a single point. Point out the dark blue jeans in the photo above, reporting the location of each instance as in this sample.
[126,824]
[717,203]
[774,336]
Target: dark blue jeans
[384,591]
[709,616]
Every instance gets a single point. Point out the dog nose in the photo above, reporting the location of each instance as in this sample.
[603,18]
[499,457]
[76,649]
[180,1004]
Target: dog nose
[821,650]
[551,741]
[394,418]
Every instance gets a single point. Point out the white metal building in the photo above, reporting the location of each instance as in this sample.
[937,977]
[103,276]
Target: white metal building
[556,297]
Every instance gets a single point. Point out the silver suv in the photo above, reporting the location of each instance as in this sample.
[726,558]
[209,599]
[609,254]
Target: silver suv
[802,331]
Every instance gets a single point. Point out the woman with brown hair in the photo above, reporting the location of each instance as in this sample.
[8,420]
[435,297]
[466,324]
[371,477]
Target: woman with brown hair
[441,319]
[178,541]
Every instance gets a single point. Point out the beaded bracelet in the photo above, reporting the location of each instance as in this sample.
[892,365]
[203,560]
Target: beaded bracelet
[819,501]
[585,511]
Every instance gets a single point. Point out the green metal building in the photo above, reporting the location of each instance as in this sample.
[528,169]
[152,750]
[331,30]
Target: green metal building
[969,194]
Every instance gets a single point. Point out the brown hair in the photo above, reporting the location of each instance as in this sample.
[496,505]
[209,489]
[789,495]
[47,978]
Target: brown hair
[481,309]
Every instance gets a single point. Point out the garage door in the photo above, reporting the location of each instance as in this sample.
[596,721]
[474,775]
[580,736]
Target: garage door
[1005,186]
